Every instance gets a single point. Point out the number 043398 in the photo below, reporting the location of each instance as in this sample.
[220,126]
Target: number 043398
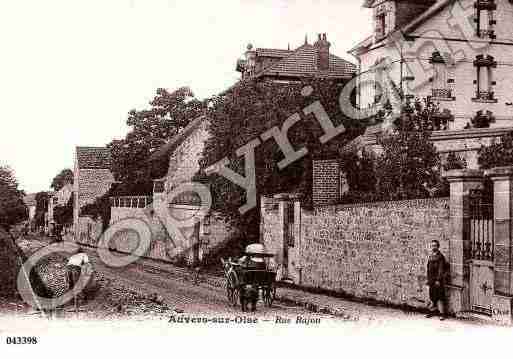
[21,340]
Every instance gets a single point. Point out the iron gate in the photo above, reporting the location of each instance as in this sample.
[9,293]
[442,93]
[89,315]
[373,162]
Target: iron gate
[480,233]
[480,224]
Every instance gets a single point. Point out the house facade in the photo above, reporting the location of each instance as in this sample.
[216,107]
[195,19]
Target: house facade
[92,179]
[458,53]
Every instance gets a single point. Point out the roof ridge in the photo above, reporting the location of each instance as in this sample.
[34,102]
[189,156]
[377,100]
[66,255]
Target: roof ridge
[298,52]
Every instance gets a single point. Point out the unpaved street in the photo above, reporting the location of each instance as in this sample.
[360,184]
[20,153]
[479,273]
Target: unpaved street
[176,288]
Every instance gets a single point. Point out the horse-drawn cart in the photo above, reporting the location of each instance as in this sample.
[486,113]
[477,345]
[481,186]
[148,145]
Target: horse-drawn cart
[246,284]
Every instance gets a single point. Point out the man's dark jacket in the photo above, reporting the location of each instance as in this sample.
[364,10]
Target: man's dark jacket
[436,269]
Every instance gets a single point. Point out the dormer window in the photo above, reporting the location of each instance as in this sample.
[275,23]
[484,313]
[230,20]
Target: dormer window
[380,18]
[485,19]
[380,26]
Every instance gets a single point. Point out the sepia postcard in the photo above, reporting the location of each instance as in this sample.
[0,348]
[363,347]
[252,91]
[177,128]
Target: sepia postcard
[282,178]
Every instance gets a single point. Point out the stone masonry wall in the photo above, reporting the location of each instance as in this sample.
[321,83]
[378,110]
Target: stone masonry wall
[376,251]
[162,247]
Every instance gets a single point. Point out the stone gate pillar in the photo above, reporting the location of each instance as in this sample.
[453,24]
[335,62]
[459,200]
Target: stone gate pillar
[461,182]
[502,178]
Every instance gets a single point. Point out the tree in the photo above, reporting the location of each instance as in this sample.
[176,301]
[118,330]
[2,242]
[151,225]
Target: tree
[454,162]
[247,111]
[63,178]
[12,207]
[64,214]
[497,154]
[150,129]
[409,166]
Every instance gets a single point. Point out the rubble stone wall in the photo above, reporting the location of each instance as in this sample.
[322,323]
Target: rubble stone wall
[376,251]
[373,250]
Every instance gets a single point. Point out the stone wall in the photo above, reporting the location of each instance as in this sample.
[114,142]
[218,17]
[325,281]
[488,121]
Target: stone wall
[164,246]
[375,250]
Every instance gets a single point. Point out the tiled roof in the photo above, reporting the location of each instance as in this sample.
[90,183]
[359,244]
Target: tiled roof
[303,63]
[93,157]
[273,52]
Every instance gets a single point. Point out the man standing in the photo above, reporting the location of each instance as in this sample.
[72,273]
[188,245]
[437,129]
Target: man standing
[436,280]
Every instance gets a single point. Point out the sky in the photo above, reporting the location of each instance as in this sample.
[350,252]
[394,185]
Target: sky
[71,70]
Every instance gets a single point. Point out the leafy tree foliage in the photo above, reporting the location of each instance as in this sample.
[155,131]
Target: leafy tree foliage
[169,112]
[63,178]
[498,154]
[410,166]
[248,110]
[454,162]
[64,214]
[12,207]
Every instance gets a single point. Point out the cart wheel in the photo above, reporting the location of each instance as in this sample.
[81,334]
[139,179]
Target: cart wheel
[229,293]
[236,297]
[270,295]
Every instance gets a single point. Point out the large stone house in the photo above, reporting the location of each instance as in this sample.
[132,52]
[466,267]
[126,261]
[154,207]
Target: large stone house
[458,53]
[92,179]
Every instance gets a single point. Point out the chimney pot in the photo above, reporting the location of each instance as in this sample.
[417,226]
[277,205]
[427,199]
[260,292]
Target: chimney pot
[323,52]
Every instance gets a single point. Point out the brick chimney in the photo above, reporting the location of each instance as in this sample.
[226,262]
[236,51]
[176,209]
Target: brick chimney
[323,52]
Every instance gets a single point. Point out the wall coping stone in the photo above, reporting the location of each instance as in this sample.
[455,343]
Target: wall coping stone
[464,175]
[500,172]
[380,203]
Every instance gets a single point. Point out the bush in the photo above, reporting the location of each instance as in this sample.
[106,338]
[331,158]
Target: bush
[498,154]
[454,162]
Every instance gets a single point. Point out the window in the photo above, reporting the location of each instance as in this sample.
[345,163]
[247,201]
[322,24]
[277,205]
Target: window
[485,19]
[158,186]
[380,19]
[484,79]
[380,26]
[442,82]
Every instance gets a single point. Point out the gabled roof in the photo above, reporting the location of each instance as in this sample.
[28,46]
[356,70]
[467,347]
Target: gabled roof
[428,14]
[303,63]
[93,157]
[362,44]
[178,139]
[438,6]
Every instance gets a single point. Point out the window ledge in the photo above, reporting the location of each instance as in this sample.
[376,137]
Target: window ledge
[482,100]
[443,98]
